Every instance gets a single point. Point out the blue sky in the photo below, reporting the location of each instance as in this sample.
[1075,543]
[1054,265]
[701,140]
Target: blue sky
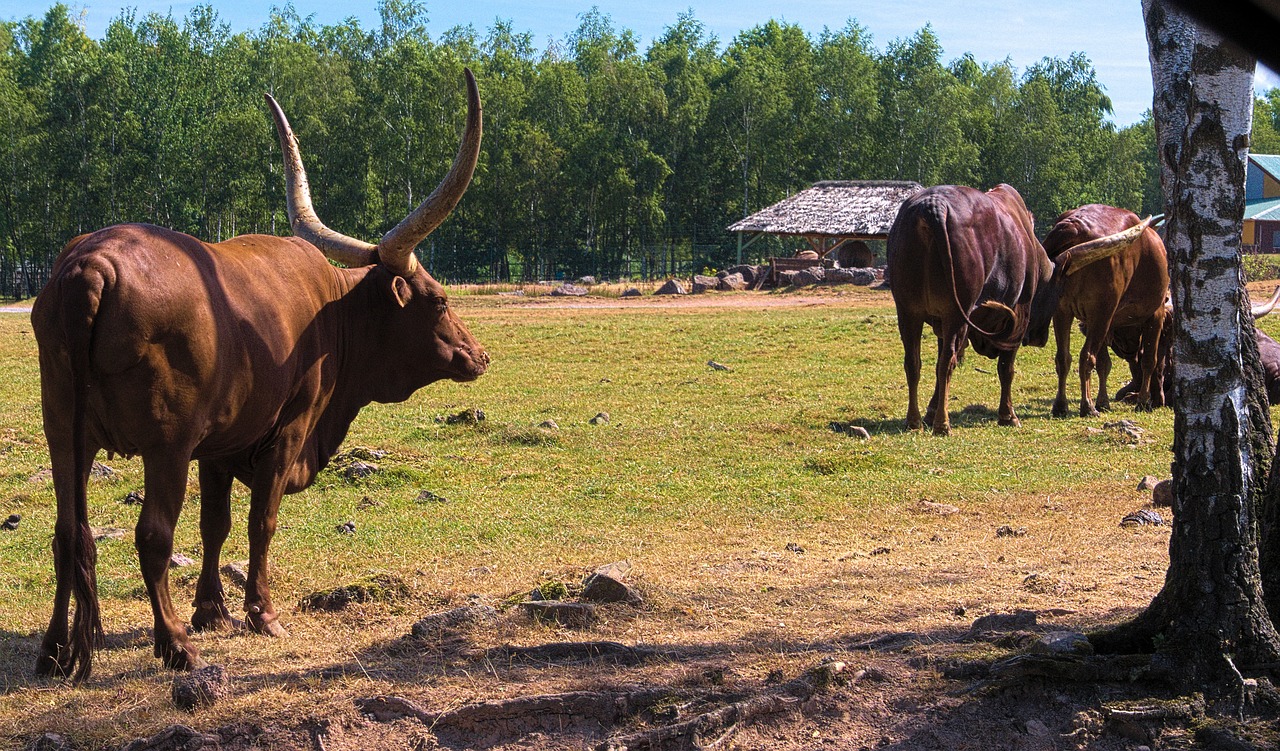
[1109,32]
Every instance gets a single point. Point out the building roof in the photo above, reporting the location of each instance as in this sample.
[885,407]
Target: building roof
[846,208]
[1270,163]
[1266,209]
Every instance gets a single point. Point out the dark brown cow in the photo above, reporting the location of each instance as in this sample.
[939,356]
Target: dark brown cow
[1127,347]
[252,356]
[969,264]
[1127,291]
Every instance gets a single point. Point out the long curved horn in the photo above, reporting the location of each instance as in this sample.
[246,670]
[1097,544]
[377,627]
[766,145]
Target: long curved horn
[1082,255]
[396,247]
[302,216]
[1261,309]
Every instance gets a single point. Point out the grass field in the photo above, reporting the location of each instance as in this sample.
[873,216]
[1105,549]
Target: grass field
[700,478]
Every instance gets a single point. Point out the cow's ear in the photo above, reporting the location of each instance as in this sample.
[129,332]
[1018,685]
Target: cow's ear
[400,290]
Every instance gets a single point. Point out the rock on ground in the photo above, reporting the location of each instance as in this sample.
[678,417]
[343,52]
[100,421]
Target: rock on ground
[449,622]
[200,687]
[569,290]
[672,287]
[703,283]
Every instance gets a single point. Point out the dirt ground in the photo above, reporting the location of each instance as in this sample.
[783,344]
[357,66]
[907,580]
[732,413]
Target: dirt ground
[861,636]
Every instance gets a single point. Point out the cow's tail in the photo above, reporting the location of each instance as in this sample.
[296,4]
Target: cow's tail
[999,316]
[82,294]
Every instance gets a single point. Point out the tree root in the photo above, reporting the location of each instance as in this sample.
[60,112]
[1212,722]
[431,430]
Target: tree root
[1097,669]
[711,729]
[493,722]
[565,653]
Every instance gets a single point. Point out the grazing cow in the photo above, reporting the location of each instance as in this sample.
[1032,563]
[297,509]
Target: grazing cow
[969,264]
[1127,347]
[252,356]
[1126,292]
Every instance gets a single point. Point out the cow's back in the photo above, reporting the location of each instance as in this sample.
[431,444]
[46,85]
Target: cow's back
[186,341]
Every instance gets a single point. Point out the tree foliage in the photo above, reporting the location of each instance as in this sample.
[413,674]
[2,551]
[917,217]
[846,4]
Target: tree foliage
[600,157]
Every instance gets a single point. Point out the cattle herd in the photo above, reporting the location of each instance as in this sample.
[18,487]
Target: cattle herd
[254,355]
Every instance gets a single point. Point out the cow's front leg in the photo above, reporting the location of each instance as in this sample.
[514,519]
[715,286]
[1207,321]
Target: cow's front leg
[1062,359]
[1005,369]
[264,503]
[211,613]
[166,484]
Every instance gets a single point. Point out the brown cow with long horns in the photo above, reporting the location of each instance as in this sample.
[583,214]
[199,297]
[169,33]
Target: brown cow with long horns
[252,356]
[968,263]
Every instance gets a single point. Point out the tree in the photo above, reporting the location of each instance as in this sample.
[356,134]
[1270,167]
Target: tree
[1209,619]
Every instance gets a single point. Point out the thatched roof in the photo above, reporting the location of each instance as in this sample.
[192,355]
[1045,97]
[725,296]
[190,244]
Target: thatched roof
[845,208]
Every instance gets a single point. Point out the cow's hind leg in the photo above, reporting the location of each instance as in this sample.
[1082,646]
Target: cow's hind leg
[950,344]
[911,329]
[1005,369]
[215,524]
[1103,368]
[166,483]
[55,651]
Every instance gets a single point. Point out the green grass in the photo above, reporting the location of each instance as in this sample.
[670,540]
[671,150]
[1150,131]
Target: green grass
[689,451]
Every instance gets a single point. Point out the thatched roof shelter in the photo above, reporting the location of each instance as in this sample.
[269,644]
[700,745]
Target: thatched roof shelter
[830,212]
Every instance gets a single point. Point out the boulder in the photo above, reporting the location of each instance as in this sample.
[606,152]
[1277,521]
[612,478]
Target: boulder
[750,273]
[1020,620]
[587,281]
[1162,493]
[1148,482]
[604,587]
[787,278]
[1062,643]
[814,275]
[672,287]
[703,283]
[733,283]
[860,277]
[569,290]
[632,292]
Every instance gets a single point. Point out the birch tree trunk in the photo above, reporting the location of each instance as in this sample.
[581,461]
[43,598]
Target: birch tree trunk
[1209,621]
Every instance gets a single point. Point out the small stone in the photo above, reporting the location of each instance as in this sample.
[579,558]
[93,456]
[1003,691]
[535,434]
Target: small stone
[857,431]
[1062,643]
[1143,517]
[51,742]
[1038,729]
[1007,531]
[449,622]
[941,509]
[107,533]
[717,366]
[236,573]
[616,570]
[358,470]
[12,522]
[178,560]
[471,416]
[1148,482]
[132,498]
[44,475]
[1019,620]
[549,425]
[201,687]
[367,503]
[792,547]
[632,292]
[346,528]
[882,551]
[568,614]
[600,419]
[102,471]
[959,611]
[604,588]
[1162,493]
[426,496]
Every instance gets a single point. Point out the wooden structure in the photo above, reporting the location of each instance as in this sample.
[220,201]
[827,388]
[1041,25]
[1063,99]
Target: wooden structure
[1262,205]
[829,214]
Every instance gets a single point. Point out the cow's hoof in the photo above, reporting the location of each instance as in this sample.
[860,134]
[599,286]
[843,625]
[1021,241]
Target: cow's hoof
[1143,406]
[1087,410]
[944,430]
[1060,409]
[180,658]
[214,616]
[1103,405]
[1009,422]
[266,626]
[54,665]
